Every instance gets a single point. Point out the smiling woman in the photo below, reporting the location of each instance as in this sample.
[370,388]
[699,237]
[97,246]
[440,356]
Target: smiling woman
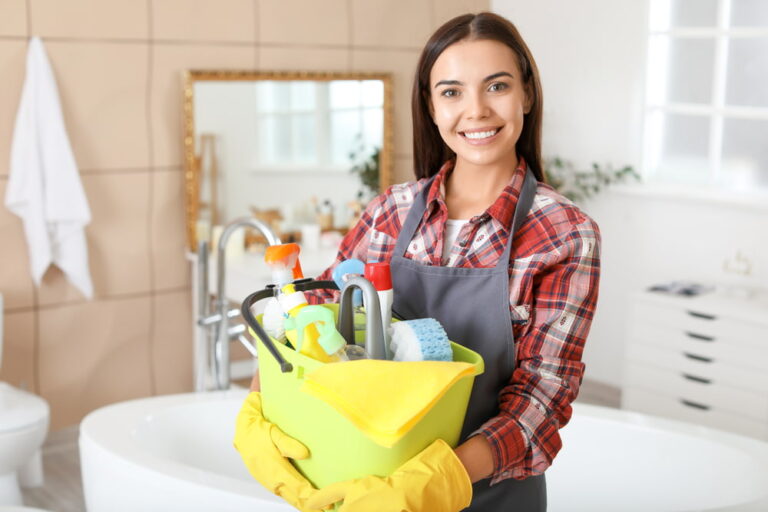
[480,118]
[508,266]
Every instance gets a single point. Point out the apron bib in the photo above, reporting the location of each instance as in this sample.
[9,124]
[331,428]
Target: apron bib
[472,304]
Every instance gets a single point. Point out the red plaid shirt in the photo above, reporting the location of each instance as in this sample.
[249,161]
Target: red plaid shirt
[553,285]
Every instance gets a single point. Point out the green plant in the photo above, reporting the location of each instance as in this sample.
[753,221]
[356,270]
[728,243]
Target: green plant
[578,185]
[366,166]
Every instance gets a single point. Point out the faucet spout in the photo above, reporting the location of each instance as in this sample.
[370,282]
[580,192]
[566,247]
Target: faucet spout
[223,335]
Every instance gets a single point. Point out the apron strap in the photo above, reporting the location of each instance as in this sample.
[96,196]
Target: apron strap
[524,203]
[416,212]
[412,220]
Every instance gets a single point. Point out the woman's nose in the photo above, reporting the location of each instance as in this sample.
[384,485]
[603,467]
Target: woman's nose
[477,107]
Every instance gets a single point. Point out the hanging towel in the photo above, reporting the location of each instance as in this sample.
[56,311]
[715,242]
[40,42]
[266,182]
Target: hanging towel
[44,187]
[396,394]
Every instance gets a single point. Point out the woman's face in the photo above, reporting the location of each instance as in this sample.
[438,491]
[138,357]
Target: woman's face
[477,101]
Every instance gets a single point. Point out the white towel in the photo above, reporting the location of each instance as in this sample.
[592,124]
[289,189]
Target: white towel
[44,187]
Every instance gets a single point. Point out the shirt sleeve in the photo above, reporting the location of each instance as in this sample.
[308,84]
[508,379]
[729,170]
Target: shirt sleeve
[355,244]
[536,403]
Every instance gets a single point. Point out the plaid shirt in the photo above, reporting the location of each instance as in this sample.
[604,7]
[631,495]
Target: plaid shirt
[553,285]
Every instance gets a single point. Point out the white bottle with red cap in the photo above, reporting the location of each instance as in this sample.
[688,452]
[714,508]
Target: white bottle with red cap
[381,278]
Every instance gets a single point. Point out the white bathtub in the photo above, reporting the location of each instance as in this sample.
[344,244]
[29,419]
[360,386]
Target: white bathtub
[175,453]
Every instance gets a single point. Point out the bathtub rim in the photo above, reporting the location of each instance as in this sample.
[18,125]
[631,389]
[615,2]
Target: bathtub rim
[111,429]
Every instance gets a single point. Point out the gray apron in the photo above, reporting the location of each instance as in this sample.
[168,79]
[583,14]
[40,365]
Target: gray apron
[472,304]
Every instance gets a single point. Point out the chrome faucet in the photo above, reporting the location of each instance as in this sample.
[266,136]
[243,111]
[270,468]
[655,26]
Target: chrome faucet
[218,320]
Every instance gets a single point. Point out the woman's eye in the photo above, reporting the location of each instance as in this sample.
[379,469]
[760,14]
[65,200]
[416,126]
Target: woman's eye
[449,93]
[497,86]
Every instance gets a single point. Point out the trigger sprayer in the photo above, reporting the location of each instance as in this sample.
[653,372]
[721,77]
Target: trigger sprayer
[283,261]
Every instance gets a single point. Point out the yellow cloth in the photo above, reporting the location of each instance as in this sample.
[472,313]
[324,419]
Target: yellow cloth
[395,396]
[433,481]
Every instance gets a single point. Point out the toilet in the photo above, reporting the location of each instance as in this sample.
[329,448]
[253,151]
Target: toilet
[23,427]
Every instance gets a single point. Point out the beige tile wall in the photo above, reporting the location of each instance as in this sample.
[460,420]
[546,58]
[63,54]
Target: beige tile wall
[118,66]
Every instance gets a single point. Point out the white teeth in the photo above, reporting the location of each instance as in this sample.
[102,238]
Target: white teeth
[480,135]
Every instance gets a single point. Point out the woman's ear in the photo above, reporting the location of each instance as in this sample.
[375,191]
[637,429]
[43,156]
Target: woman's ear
[528,103]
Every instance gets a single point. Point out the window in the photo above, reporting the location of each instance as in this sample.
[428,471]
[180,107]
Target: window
[707,93]
[305,125]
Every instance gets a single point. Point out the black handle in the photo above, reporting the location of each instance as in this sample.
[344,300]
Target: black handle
[245,310]
[699,336]
[698,358]
[269,291]
[704,316]
[695,405]
[694,378]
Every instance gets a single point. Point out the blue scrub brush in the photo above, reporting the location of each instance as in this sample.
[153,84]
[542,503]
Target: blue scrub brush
[423,339]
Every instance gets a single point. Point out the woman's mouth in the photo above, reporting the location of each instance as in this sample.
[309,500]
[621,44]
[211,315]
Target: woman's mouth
[482,136]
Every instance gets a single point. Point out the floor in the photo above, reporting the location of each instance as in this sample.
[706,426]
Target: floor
[63,491]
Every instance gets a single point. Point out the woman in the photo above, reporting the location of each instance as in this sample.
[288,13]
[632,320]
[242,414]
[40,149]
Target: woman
[507,265]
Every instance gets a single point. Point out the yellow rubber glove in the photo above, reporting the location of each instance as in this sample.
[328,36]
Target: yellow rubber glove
[264,449]
[434,480]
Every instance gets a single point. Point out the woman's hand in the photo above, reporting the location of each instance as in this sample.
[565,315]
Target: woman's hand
[255,382]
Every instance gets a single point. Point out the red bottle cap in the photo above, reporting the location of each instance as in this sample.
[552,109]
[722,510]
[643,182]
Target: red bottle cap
[379,275]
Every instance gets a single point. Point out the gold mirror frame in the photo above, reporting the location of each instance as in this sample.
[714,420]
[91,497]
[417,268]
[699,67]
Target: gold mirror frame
[191,167]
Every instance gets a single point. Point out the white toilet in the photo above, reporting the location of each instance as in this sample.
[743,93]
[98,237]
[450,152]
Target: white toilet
[23,427]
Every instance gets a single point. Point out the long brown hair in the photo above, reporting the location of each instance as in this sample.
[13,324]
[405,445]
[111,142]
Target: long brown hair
[429,150]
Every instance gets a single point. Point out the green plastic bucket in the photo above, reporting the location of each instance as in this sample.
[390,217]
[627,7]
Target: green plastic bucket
[338,450]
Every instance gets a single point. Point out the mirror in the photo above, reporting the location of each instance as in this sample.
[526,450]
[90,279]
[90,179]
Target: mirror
[295,149]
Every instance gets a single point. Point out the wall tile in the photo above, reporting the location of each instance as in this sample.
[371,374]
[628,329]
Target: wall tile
[391,23]
[118,239]
[15,278]
[12,65]
[204,20]
[105,19]
[93,354]
[168,231]
[18,357]
[103,90]
[14,19]
[169,61]
[403,170]
[446,9]
[172,344]
[402,65]
[325,22]
[303,59]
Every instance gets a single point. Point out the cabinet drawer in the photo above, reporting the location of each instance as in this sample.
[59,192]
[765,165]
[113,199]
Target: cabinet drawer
[657,404]
[704,323]
[720,349]
[699,364]
[698,390]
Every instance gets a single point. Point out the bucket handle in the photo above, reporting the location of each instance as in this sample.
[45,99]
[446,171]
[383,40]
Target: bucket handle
[270,291]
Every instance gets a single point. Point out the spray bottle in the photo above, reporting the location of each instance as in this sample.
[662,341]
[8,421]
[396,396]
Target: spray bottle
[283,261]
[307,335]
[329,346]
[380,276]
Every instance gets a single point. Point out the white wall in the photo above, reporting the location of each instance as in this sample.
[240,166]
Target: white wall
[591,55]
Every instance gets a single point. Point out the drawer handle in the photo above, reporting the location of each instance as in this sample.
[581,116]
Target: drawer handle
[698,358]
[694,404]
[703,316]
[694,378]
[699,336]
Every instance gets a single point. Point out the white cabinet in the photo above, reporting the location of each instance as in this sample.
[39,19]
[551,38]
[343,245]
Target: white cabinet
[701,359]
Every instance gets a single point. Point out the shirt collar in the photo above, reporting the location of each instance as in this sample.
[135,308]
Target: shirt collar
[502,209]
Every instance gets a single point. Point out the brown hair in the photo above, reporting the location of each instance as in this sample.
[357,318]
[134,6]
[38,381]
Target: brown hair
[429,150]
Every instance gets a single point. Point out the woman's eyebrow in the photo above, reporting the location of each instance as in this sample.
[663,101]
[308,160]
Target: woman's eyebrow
[486,79]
